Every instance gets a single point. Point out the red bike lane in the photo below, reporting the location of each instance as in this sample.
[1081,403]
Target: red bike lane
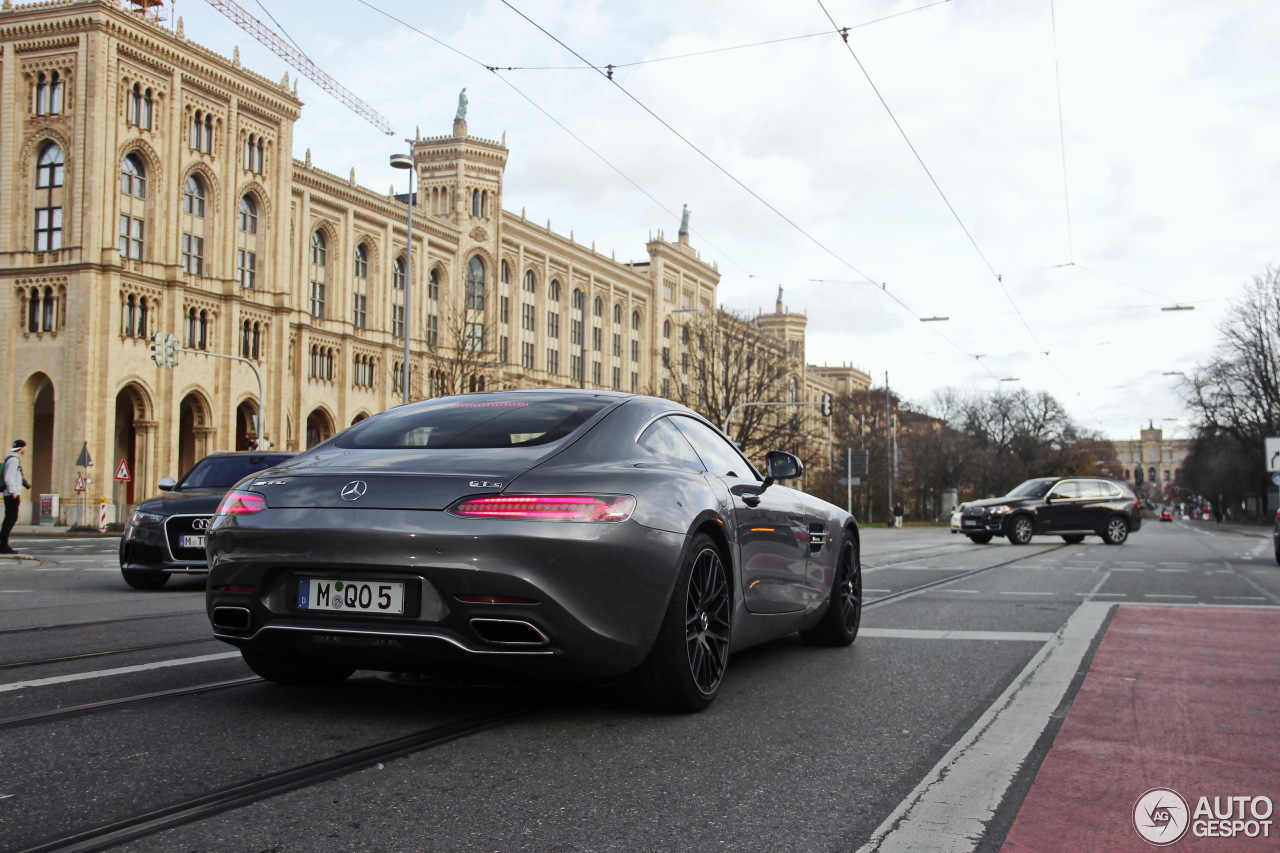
[1182,698]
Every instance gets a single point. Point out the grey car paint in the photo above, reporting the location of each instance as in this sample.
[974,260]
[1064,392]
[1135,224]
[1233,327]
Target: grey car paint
[601,589]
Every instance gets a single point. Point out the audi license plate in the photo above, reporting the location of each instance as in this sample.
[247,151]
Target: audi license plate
[191,541]
[352,596]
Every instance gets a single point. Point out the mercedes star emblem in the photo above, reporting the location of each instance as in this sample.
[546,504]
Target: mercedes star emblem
[354,490]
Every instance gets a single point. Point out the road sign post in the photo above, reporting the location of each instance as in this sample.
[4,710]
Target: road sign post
[1271,451]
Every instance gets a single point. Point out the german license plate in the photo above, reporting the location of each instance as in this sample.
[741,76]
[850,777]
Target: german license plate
[970,522]
[191,541]
[386,597]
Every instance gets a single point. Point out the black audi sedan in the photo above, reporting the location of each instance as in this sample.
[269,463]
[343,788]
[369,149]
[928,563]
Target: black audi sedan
[551,533]
[166,534]
[1070,507]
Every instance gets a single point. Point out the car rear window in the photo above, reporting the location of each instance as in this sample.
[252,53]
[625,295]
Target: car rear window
[457,423]
[223,472]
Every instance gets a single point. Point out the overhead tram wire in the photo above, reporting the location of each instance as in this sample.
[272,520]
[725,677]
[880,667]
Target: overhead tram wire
[1062,135]
[734,178]
[999,278]
[494,70]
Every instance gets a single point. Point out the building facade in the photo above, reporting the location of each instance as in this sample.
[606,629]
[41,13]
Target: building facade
[149,187]
[1153,463]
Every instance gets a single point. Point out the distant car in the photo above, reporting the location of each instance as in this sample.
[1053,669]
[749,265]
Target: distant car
[1070,507]
[166,534]
[1165,515]
[548,533]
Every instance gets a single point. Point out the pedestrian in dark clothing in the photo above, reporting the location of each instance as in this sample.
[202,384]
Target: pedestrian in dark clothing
[14,483]
[898,512]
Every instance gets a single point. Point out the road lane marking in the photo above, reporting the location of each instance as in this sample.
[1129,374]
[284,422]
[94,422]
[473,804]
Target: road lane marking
[948,811]
[1011,592]
[1165,595]
[120,670]
[921,634]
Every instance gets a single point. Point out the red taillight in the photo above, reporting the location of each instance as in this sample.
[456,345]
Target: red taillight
[548,507]
[242,503]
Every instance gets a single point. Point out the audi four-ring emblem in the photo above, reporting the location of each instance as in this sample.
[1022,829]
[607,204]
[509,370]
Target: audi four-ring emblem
[354,490]
[200,524]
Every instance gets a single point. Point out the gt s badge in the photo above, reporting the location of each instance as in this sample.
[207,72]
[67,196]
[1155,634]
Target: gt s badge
[484,484]
[269,482]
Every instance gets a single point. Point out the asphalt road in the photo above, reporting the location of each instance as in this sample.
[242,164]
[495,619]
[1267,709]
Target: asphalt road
[123,726]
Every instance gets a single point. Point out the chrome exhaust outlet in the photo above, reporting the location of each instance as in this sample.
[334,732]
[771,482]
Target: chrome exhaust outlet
[232,618]
[509,632]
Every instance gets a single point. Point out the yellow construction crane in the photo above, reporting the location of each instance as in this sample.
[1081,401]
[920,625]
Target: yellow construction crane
[298,60]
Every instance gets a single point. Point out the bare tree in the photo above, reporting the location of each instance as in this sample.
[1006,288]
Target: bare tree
[1237,393]
[458,359]
[719,360]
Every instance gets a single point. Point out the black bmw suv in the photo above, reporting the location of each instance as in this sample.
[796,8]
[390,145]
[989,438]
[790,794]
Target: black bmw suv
[166,533]
[1071,507]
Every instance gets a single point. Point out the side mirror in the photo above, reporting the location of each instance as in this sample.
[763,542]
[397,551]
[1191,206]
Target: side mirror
[167,483]
[780,465]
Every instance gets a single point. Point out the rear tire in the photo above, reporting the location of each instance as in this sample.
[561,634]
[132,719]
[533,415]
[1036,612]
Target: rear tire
[144,580]
[291,669]
[980,538]
[1020,530]
[839,625]
[1116,530]
[686,665]
[1073,538]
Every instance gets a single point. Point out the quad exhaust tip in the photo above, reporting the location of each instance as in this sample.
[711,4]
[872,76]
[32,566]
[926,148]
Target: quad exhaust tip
[231,618]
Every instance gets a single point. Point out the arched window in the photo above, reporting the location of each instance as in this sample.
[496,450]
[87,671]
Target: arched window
[142,317]
[397,274]
[433,285]
[141,108]
[793,389]
[506,273]
[48,210]
[319,248]
[666,329]
[48,94]
[130,314]
[553,290]
[635,321]
[617,314]
[319,254]
[475,202]
[475,284]
[133,184]
[202,131]
[597,307]
[361,269]
[253,151]
[133,177]
[193,196]
[248,218]
[531,282]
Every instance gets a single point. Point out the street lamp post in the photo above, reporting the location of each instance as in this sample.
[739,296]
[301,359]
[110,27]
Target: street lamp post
[405,161]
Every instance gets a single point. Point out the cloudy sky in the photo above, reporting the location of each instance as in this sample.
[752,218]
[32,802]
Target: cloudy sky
[1047,174]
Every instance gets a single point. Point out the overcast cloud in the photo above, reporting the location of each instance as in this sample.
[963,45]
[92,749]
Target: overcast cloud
[1157,187]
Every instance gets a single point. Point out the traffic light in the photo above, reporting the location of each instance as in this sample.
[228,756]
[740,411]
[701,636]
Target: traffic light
[157,349]
[826,405]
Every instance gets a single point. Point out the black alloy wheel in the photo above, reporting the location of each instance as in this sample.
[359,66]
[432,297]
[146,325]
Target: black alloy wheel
[980,538]
[1073,538]
[1116,530]
[686,666]
[1020,529]
[839,624]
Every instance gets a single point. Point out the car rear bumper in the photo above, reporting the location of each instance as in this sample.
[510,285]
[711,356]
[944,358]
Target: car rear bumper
[577,598]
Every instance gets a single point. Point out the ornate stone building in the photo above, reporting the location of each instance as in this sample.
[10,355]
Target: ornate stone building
[149,187]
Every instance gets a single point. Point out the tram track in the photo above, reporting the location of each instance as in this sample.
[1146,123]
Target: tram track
[120,830]
[104,653]
[245,792]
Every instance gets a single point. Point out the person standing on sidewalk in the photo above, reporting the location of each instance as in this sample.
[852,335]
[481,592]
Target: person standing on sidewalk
[14,483]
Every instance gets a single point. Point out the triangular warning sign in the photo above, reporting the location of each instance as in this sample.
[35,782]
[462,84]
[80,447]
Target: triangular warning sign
[79,482]
[122,473]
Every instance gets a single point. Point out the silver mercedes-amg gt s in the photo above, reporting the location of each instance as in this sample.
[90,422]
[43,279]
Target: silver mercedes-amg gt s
[557,533]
